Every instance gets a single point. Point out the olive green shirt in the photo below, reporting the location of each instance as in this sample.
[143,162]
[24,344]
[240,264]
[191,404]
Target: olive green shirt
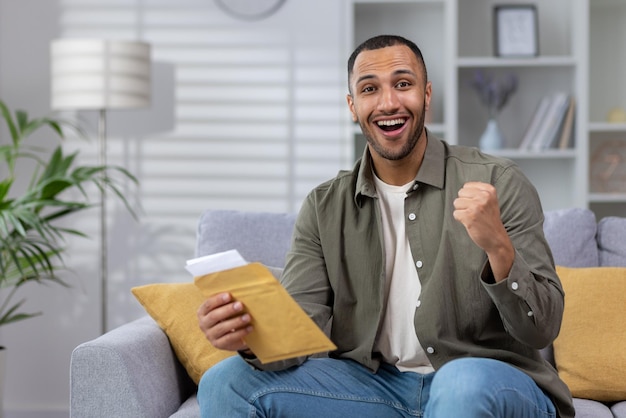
[335,268]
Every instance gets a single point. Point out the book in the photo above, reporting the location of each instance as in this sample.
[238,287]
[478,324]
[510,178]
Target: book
[281,328]
[554,134]
[535,123]
[568,123]
[552,121]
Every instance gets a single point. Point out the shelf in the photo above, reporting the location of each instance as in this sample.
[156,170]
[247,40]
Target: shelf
[478,62]
[607,127]
[516,154]
[607,197]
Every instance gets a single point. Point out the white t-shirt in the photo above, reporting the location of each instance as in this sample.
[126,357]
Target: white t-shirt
[397,341]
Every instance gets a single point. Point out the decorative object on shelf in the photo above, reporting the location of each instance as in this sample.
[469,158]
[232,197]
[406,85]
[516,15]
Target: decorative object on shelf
[96,74]
[608,167]
[551,124]
[250,9]
[616,115]
[494,95]
[516,31]
[491,139]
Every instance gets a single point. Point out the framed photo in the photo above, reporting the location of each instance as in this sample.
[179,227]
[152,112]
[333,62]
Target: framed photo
[515,31]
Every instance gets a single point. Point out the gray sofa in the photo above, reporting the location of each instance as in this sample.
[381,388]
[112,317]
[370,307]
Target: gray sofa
[132,372]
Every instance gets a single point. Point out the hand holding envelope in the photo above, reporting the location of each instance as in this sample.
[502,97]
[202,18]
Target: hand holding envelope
[282,329]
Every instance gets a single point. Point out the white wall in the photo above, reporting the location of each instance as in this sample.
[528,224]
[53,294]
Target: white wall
[245,116]
[38,350]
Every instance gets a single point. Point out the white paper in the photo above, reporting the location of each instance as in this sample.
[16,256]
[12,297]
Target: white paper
[215,262]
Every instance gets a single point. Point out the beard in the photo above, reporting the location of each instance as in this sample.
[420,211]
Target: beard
[403,152]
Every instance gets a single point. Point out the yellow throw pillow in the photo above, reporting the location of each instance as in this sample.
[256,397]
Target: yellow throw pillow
[590,351]
[173,306]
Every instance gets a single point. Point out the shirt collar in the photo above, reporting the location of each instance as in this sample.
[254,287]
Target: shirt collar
[433,168]
[431,172]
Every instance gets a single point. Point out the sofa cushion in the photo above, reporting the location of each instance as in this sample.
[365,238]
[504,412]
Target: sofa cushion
[258,236]
[190,408]
[586,408]
[173,306]
[571,234]
[619,409]
[612,241]
[589,351]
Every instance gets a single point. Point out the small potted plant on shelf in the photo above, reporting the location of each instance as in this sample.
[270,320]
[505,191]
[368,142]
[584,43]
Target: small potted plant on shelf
[31,237]
[494,94]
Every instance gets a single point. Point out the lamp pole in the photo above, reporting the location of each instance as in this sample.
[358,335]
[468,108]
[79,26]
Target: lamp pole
[102,162]
[98,74]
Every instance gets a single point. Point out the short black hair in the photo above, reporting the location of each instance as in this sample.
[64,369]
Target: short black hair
[383,41]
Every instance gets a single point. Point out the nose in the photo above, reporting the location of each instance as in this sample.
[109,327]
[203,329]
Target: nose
[389,101]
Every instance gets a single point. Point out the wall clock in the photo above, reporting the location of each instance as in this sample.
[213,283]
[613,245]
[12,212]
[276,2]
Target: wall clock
[250,9]
[608,167]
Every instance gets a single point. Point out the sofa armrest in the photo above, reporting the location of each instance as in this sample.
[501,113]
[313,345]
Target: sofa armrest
[130,371]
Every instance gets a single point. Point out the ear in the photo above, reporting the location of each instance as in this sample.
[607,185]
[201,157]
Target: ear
[427,95]
[351,106]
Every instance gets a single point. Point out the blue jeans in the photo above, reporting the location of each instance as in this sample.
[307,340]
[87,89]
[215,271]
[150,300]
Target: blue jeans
[343,388]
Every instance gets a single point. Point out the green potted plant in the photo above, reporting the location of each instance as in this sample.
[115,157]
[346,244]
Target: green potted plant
[31,237]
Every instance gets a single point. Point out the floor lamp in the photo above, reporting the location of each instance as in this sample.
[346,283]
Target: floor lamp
[94,74]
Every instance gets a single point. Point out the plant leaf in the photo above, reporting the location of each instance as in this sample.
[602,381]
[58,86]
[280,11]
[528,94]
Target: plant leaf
[22,121]
[6,114]
[56,126]
[31,238]
[9,316]
[5,186]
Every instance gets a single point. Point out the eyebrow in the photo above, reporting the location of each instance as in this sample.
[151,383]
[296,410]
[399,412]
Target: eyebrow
[397,72]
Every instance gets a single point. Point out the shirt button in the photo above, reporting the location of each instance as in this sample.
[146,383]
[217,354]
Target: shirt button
[418,303]
[416,186]
[530,313]
[430,350]
[412,216]
[419,264]
[514,286]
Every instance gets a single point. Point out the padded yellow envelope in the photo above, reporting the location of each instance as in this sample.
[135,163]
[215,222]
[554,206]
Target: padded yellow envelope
[282,329]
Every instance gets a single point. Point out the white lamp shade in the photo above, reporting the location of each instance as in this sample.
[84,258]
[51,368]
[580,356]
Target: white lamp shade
[99,74]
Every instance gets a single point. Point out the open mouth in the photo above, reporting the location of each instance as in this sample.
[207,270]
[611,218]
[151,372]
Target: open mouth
[391,124]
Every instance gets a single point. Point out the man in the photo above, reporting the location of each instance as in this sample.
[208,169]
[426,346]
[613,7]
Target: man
[429,264]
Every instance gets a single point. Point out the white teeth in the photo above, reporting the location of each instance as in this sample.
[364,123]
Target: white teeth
[390,122]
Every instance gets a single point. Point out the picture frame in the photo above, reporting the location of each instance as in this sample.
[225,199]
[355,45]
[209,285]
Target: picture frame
[516,32]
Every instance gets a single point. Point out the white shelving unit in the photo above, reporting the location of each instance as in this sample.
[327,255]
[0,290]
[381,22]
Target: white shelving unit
[415,20]
[607,91]
[456,38]
[558,175]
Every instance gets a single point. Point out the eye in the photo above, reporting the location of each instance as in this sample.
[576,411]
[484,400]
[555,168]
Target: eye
[403,84]
[368,89]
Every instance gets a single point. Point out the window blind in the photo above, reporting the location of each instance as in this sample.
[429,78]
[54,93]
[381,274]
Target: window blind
[255,113]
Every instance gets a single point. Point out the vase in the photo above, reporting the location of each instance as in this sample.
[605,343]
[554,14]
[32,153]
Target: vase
[491,139]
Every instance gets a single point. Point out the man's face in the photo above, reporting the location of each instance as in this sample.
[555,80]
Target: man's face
[389,100]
